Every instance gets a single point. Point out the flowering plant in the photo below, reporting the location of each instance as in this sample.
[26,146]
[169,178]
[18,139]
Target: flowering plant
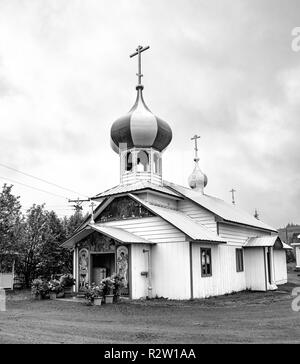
[119,284]
[108,286]
[54,286]
[67,280]
[92,292]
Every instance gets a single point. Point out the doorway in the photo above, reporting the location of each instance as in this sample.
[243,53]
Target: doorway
[103,265]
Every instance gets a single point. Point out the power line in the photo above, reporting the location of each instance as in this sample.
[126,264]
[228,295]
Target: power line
[41,179]
[35,188]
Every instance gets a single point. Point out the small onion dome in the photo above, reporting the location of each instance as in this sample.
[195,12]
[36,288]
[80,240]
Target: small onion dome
[140,128]
[197,180]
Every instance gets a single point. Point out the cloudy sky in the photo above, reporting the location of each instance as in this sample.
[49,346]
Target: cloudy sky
[224,69]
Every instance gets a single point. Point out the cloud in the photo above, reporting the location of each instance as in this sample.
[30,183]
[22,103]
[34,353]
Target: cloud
[224,71]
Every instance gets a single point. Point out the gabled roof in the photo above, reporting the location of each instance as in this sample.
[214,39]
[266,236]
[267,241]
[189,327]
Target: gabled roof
[219,207]
[266,241]
[118,234]
[138,186]
[182,222]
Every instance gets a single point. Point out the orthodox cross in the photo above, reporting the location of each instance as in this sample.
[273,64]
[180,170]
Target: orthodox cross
[195,138]
[232,194]
[92,217]
[138,52]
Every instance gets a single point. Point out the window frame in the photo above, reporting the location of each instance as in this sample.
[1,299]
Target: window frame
[239,258]
[206,250]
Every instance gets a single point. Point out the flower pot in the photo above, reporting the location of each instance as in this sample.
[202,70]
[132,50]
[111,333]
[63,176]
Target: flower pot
[60,294]
[68,291]
[52,295]
[97,301]
[109,298]
[38,297]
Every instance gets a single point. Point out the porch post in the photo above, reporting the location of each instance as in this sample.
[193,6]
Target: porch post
[297,250]
[76,270]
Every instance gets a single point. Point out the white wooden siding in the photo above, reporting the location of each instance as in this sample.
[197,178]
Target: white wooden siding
[154,229]
[224,279]
[280,267]
[139,263]
[238,235]
[171,270]
[255,269]
[198,213]
[6,280]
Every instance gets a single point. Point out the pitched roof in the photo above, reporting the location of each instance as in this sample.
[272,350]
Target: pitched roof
[118,234]
[219,207]
[138,186]
[265,241]
[182,222]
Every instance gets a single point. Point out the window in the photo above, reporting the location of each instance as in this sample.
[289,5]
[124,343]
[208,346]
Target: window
[128,162]
[206,270]
[239,260]
[142,161]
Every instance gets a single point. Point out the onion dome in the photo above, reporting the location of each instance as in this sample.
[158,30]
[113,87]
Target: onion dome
[140,128]
[197,180]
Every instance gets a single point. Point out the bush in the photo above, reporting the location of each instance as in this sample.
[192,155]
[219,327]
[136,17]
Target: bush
[40,288]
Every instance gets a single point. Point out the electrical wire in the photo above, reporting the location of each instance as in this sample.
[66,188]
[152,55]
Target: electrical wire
[41,179]
[35,188]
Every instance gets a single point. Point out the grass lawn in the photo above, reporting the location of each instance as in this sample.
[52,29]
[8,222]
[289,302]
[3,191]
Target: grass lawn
[246,317]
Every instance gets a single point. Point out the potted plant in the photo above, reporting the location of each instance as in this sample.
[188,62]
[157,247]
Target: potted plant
[119,284]
[55,289]
[67,282]
[93,294]
[108,289]
[39,289]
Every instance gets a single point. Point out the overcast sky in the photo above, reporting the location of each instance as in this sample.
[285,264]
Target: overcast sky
[223,69]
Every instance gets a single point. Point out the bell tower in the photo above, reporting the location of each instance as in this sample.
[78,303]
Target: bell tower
[140,137]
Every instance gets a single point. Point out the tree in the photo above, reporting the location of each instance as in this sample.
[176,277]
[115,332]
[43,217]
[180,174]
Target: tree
[10,227]
[43,234]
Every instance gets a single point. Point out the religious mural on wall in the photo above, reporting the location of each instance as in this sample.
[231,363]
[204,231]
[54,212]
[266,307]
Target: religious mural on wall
[123,208]
[83,267]
[122,266]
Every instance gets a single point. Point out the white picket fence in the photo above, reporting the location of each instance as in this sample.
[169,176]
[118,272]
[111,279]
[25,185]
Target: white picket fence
[6,280]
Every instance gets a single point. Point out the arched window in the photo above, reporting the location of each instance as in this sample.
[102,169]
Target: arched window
[128,162]
[142,161]
[156,163]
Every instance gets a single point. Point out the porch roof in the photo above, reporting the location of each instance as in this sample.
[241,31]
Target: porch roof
[118,234]
[266,241]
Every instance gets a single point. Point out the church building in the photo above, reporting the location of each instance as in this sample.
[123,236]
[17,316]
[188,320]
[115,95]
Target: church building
[168,240]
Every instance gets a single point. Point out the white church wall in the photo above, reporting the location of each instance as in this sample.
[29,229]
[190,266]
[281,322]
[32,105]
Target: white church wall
[238,235]
[255,269]
[198,213]
[171,270]
[139,264]
[280,267]
[154,229]
[224,278]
